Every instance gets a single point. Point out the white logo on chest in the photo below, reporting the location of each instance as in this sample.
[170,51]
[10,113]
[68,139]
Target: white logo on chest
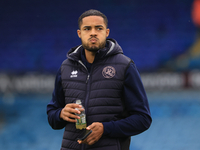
[74,74]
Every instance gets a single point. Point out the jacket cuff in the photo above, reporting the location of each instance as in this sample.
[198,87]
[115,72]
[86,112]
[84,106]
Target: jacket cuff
[57,116]
[108,127]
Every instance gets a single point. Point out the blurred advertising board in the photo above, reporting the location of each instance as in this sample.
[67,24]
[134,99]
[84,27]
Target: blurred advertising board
[44,83]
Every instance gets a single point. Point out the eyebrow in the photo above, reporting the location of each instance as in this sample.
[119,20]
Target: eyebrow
[95,26]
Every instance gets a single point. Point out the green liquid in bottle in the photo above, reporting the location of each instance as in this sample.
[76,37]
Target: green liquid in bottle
[81,123]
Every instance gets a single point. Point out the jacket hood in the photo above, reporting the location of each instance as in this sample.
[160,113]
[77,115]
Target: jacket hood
[112,48]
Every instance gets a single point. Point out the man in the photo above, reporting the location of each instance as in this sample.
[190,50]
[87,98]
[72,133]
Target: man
[109,86]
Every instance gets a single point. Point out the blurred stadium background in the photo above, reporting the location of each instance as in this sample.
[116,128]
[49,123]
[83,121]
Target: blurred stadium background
[161,36]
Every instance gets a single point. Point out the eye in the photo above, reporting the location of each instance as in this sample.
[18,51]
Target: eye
[86,28]
[100,28]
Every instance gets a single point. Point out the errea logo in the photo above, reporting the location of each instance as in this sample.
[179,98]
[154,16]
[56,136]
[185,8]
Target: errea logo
[74,74]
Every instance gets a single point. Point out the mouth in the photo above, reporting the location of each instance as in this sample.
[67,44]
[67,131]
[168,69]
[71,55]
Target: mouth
[93,40]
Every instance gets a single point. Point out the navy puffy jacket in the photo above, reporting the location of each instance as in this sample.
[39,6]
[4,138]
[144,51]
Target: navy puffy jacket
[112,93]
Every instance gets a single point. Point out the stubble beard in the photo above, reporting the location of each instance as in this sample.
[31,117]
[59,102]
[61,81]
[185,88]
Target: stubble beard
[94,48]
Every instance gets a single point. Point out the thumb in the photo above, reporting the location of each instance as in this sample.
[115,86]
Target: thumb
[90,126]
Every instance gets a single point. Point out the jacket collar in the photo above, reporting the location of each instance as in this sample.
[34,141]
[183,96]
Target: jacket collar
[111,48]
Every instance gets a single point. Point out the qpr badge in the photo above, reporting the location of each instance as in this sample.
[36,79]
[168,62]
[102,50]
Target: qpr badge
[108,72]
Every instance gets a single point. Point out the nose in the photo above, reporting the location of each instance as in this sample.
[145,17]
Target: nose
[93,32]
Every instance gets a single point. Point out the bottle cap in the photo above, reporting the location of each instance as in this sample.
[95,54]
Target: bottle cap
[78,101]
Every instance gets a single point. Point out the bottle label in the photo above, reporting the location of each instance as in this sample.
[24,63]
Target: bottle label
[83,120]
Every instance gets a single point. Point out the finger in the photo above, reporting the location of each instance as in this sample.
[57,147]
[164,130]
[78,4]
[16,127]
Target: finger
[73,105]
[69,115]
[90,127]
[79,142]
[81,109]
[69,119]
[72,110]
[93,126]
[91,141]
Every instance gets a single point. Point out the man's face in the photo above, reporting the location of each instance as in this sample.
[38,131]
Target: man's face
[93,33]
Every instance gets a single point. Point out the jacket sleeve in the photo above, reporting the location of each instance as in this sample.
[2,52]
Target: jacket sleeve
[136,104]
[56,104]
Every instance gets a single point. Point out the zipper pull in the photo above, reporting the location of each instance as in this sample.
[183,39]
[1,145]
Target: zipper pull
[87,78]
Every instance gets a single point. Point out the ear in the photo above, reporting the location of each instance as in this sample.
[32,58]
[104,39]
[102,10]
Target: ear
[107,32]
[79,33]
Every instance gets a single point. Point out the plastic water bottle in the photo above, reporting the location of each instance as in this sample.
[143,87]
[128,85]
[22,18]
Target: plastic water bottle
[81,123]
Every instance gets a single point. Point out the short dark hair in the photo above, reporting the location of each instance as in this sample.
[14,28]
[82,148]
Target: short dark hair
[92,12]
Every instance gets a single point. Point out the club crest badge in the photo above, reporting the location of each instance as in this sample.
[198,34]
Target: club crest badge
[108,72]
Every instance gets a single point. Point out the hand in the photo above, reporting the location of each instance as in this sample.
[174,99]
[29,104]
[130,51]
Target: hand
[69,111]
[97,131]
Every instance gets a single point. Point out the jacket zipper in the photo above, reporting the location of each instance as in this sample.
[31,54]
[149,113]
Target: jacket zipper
[88,86]
[88,77]
[87,94]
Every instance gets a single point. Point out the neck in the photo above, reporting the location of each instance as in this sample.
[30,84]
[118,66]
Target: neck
[90,56]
